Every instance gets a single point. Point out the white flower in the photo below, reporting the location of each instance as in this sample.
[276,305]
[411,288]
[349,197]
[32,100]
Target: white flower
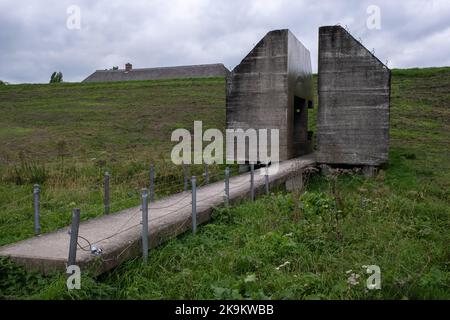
[353,279]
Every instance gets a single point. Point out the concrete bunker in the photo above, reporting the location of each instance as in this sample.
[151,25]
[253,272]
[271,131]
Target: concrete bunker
[272,89]
[354,101]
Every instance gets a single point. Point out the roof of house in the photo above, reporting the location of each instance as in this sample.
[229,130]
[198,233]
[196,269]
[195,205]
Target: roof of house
[193,71]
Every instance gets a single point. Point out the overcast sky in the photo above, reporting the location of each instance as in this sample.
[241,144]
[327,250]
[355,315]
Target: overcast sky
[35,39]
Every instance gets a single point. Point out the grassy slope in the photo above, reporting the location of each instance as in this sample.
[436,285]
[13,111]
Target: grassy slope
[65,136]
[103,120]
[398,221]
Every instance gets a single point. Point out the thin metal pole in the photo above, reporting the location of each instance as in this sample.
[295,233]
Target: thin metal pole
[144,225]
[106,193]
[37,226]
[206,174]
[185,171]
[227,186]
[152,182]
[267,179]
[194,204]
[74,237]
[252,182]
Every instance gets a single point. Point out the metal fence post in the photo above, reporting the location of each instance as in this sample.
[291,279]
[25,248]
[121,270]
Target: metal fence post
[227,186]
[267,179]
[206,174]
[185,171]
[152,182]
[252,182]
[144,225]
[194,204]
[37,226]
[106,193]
[71,261]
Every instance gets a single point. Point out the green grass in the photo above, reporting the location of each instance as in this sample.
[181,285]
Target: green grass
[65,136]
[283,246]
[106,120]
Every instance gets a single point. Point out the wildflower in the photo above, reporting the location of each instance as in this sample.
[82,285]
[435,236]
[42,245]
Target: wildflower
[353,279]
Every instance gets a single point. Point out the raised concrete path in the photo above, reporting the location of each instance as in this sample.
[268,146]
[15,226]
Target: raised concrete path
[119,234]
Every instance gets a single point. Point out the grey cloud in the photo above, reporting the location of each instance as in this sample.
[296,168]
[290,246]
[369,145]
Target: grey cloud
[35,41]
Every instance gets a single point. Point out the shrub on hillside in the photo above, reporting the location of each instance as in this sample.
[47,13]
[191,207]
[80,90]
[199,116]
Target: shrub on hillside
[56,77]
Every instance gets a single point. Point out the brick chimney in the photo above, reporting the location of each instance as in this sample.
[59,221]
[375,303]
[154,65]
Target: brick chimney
[128,67]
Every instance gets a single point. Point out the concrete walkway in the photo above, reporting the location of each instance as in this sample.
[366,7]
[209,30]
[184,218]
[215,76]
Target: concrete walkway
[119,234]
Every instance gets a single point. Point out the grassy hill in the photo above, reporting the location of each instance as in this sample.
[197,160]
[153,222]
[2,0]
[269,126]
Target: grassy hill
[284,246]
[107,121]
[66,136]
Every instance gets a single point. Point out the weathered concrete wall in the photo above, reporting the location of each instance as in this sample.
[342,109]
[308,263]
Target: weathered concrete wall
[179,72]
[261,91]
[354,99]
